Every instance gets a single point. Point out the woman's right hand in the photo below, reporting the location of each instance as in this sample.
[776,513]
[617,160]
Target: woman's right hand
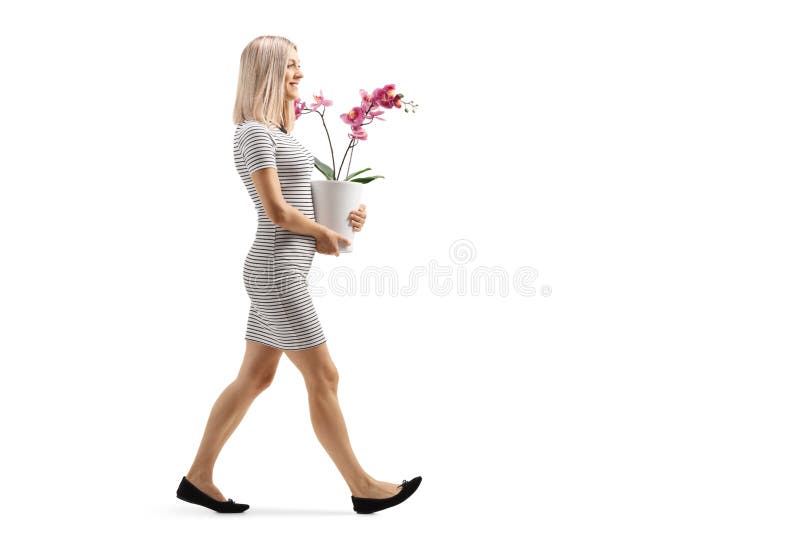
[328,241]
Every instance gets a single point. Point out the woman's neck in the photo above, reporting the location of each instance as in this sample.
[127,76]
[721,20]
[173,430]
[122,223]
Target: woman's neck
[279,126]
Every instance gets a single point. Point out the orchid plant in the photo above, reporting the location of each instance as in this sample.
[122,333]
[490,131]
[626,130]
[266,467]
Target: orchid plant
[368,110]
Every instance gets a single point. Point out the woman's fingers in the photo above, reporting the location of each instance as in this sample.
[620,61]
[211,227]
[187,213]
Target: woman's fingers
[357,217]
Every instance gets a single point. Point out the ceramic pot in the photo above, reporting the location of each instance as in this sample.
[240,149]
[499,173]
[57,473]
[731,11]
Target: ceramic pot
[333,202]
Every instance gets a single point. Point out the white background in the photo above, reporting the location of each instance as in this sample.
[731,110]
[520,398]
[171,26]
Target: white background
[640,156]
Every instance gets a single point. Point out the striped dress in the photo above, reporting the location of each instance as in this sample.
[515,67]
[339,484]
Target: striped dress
[282,313]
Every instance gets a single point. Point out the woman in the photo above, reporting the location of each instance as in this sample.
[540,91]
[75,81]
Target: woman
[276,170]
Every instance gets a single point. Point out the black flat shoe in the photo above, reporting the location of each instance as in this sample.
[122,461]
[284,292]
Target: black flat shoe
[364,505]
[190,493]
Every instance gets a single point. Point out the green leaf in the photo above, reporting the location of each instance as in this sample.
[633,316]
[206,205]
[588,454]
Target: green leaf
[365,180]
[357,173]
[324,169]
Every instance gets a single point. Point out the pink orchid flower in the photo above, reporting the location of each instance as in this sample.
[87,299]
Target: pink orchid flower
[373,114]
[358,133]
[385,96]
[354,117]
[366,99]
[299,106]
[320,101]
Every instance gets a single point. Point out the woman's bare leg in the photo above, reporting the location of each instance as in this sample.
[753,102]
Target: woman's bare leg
[255,375]
[322,379]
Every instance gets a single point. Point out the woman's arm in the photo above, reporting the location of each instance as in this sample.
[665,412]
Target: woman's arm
[278,210]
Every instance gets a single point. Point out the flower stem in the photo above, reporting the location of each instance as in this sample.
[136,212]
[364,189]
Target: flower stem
[350,161]
[330,144]
[349,147]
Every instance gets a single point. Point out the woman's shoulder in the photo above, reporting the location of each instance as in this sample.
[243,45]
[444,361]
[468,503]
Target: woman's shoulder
[254,127]
[252,123]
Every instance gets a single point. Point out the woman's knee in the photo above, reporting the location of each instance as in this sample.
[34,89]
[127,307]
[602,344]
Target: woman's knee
[317,368]
[255,383]
[323,378]
[259,367]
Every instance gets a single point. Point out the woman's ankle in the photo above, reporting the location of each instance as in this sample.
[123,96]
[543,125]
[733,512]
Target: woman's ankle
[205,475]
[362,484]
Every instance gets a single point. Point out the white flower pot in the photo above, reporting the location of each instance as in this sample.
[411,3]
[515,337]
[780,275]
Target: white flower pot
[333,202]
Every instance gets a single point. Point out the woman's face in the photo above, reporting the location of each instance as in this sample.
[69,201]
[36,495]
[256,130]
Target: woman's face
[293,76]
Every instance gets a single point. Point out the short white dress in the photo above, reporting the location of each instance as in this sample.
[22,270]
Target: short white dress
[282,314]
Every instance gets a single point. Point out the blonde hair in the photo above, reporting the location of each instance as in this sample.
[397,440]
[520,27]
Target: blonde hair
[260,94]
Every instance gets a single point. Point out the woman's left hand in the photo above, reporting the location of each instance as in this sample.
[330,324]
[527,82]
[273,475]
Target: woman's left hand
[357,217]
